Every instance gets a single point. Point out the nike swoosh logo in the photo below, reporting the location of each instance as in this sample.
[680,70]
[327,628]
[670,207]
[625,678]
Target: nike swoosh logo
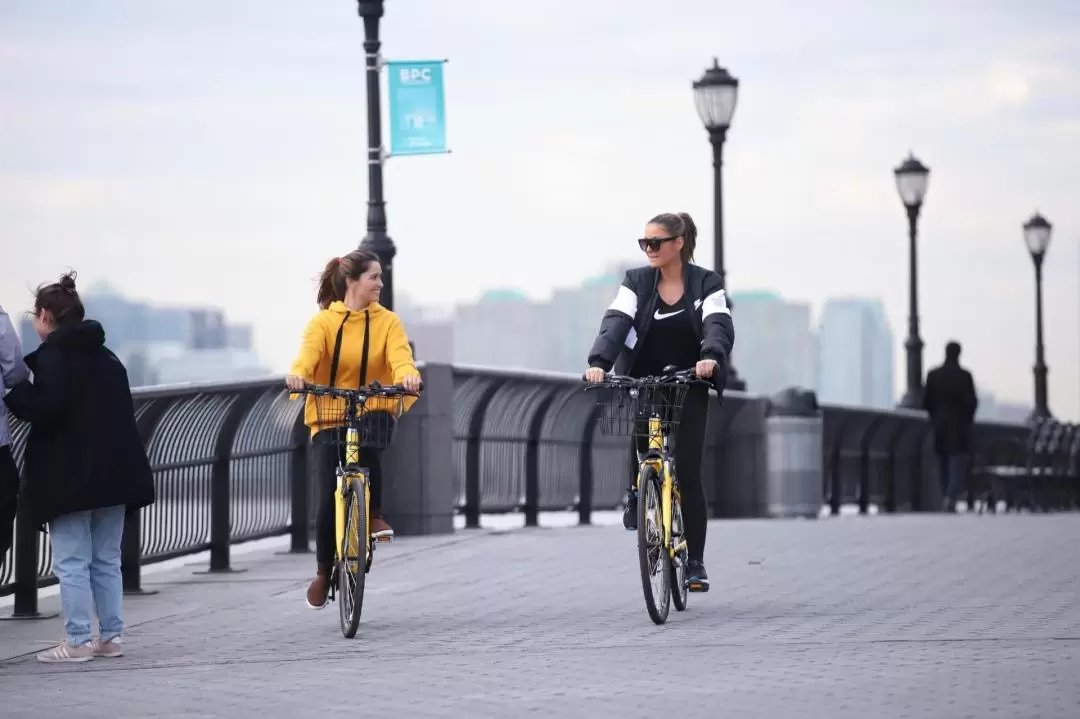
[664,317]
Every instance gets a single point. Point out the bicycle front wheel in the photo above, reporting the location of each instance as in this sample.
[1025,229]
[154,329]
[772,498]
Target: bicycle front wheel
[353,559]
[652,554]
[680,589]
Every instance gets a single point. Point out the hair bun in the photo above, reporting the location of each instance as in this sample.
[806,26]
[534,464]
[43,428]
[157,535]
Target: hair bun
[68,281]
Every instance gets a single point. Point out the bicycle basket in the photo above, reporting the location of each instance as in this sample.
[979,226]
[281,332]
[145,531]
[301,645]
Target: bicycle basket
[376,421]
[377,428]
[626,410]
[329,411]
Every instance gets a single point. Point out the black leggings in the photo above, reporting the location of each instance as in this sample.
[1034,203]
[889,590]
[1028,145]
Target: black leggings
[327,452]
[689,449]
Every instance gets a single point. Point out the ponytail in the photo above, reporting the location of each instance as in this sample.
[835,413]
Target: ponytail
[332,283]
[689,235]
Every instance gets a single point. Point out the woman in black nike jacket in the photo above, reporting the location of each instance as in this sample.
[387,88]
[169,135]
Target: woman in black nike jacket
[672,312]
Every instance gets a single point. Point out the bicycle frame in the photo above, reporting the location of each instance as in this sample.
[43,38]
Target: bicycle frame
[658,457]
[351,544]
[349,468]
[345,474]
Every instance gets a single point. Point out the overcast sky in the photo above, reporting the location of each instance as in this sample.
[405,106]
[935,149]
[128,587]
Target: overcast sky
[214,152]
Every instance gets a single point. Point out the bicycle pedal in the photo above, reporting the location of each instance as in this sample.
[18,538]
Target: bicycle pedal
[384,540]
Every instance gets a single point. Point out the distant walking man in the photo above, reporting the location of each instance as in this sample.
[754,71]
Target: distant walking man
[950,399]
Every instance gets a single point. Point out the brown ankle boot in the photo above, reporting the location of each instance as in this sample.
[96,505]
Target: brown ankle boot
[319,588]
[380,528]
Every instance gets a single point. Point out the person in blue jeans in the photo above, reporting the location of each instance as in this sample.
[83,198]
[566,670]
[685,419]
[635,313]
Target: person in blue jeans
[85,466]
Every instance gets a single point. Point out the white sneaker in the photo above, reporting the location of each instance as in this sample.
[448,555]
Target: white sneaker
[67,653]
[110,649]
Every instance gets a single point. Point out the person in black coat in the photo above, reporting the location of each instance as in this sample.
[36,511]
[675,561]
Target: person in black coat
[951,402]
[85,466]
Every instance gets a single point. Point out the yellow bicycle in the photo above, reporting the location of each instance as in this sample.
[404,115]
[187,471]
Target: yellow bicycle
[367,417]
[648,409]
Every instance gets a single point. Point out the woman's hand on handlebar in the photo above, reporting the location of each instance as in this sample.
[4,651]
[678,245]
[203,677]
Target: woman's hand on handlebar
[705,368]
[296,384]
[595,375]
[411,383]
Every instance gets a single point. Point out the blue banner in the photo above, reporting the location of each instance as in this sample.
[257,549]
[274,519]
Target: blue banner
[417,107]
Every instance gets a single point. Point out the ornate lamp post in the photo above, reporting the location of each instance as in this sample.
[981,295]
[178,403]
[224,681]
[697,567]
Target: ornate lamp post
[715,96]
[912,178]
[376,240]
[1037,233]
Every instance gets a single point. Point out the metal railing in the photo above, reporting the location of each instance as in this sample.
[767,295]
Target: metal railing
[225,458]
[230,463]
[1049,480]
[530,442]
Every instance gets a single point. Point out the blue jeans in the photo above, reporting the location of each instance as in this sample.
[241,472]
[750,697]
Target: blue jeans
[86,560]
[952,473]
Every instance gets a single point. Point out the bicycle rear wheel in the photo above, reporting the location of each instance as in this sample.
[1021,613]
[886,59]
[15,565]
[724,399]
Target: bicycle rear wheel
[652,555]
[352,566]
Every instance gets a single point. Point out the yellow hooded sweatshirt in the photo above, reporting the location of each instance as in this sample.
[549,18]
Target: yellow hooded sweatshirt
[390,358]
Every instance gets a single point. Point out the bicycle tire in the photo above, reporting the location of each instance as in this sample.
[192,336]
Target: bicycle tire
[657,603]
[680,589]
[351,584]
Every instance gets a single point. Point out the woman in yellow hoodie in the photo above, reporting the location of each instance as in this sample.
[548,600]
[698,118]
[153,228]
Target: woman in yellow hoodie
[351,342]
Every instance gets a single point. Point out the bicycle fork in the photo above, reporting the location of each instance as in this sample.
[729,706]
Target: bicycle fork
[352,458]
[339,515]
[668,492]
[668,495]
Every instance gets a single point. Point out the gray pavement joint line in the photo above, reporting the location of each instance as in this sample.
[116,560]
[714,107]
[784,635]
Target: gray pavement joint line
[291,586]
[385,657]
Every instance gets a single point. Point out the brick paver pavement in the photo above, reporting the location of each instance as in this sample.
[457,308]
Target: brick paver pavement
[911,616]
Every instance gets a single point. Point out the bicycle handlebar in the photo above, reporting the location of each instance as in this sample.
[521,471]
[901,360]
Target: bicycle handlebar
[373,390]
[668,377]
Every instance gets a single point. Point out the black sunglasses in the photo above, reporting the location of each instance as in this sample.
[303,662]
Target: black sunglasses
[653,243]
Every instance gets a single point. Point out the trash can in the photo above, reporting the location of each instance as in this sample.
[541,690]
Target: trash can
[794,481]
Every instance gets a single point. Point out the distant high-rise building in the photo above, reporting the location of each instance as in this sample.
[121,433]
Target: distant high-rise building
[202,365]
[774,345]
[575,314]
[206,330]
[504,328]
[139,371]
[240,337]
[991,409]
[507,329]
[432,336]
[165,344]
[855,354]
[27,335]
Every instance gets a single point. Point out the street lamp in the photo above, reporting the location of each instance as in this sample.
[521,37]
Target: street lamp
[715,96]
[911,180]
[376,240]
[1037,237]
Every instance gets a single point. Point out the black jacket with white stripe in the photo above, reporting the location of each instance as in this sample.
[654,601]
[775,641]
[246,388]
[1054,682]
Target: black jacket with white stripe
[626,322]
